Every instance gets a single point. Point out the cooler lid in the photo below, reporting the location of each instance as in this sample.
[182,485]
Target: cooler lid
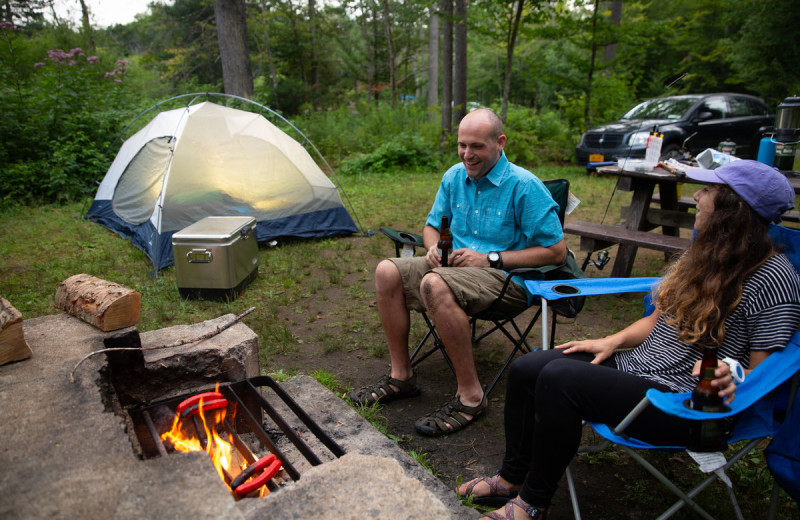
[214,228]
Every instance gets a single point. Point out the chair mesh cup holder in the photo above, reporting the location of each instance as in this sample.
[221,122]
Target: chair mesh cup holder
[566,289]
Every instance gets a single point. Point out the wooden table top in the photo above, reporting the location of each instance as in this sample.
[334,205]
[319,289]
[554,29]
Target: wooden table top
[659,174]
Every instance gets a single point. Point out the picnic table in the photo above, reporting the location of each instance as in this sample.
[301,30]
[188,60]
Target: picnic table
[641,217]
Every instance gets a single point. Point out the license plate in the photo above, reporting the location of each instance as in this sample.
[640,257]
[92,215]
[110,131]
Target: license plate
[596,157]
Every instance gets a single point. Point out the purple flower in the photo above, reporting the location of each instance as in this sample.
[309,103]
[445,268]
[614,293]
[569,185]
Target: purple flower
[8,26]
[92,60]
[38,64]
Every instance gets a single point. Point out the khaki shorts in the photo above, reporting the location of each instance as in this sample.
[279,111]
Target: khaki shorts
[474,288]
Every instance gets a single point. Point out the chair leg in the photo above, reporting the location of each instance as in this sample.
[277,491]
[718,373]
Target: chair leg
[437,345]
[573,495]
[685,499]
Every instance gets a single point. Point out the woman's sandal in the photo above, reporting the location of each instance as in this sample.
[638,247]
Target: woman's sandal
[383,390]
[508,511]
[499,496]
[436,423]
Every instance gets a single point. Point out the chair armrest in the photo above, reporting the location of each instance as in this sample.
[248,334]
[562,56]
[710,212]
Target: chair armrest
[766,377]
[557,289]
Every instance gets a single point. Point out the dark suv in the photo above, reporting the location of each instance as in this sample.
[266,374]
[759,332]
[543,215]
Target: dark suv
[705,119]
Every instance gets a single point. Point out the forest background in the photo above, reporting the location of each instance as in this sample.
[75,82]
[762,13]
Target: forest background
[374,84]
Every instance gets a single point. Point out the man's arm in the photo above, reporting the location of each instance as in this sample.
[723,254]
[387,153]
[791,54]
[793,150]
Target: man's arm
[534,256]
[529,257]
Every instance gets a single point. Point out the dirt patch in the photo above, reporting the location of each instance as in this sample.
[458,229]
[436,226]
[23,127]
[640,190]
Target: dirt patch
[337,330]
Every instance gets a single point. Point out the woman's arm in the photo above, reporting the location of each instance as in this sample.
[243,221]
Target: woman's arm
[631,336]
[722,375]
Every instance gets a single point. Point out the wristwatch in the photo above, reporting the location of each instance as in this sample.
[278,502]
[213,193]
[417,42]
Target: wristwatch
[495,260]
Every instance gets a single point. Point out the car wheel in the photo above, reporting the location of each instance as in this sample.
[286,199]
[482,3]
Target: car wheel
[671,151]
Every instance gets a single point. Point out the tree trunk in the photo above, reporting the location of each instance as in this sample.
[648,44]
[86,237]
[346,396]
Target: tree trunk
[370,46]
[13,346]
[447,74]
[433,60]
[106,305]
[268,49]
[611,48]
[460,68]
[588,103]
[510,60]
[387,25]
[312,20]
[237,76]
[87,27]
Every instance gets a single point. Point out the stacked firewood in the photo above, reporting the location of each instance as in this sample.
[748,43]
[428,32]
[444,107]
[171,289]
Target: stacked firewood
[105,305]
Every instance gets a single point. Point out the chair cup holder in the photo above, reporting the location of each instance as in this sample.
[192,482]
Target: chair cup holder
[687,403]
[406,237]
[566,289]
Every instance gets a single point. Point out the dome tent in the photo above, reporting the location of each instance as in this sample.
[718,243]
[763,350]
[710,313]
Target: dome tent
[205,160]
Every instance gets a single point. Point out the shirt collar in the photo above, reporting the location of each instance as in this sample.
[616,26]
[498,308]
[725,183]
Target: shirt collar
[497,173]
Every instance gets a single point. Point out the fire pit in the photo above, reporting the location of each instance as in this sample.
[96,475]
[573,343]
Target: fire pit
[218,421]
[76,450]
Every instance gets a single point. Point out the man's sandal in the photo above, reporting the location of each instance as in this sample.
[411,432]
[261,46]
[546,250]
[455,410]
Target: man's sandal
[366,396]
[449,419]
[508,511]
[498,497]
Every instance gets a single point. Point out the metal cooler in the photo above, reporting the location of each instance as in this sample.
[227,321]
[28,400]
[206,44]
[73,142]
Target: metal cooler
[215,257]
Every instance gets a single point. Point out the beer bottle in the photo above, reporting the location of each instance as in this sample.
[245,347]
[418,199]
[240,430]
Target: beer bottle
[709,434]
[445,243]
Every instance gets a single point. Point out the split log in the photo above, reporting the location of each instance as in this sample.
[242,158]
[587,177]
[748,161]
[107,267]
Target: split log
[106,305]
[13,346]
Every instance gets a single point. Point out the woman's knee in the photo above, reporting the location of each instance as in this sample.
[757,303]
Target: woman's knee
[526,369]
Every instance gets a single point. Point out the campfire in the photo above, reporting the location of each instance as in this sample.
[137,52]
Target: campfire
[196,427]
[230,423]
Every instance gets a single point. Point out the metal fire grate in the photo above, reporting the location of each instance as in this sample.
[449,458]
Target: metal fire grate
[250,403]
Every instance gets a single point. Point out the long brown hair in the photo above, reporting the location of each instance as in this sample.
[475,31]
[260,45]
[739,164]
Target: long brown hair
[704,286]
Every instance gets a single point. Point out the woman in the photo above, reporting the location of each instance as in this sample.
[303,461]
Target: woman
[731,289]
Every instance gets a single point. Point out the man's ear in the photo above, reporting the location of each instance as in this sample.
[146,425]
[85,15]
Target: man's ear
[501,141]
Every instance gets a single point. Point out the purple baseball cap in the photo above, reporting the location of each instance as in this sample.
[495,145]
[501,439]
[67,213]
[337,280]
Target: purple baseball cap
[763,187]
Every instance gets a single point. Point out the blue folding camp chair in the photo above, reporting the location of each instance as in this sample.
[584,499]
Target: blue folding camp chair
[765,402]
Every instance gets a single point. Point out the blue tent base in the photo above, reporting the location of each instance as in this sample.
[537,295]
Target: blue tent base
[158,246]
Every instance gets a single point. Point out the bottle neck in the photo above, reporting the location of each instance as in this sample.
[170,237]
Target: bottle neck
[709,363]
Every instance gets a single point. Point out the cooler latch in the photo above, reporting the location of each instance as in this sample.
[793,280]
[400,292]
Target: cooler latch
[199,256]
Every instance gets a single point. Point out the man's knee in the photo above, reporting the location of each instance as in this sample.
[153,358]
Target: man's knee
[387,275]
[434,291]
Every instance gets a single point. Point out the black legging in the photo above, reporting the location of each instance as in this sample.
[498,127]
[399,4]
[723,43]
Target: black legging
[549,393]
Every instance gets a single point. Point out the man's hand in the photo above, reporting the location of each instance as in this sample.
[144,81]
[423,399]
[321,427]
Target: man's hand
[468,258]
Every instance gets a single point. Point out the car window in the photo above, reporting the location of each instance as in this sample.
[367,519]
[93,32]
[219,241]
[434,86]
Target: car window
[740,107]
[661,108]
[717,106]
[758,109]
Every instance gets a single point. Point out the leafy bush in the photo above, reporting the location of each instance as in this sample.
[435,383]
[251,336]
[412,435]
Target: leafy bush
[408,151]
[60,115]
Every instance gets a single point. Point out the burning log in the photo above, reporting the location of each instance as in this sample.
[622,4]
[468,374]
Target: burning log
[106,305]
[13,346]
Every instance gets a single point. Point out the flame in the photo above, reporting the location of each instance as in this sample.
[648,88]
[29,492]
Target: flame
[227,460]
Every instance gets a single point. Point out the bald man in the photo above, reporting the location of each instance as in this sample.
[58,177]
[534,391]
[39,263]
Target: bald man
[501,217]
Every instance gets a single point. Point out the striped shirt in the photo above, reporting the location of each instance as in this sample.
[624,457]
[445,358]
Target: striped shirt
[766,317]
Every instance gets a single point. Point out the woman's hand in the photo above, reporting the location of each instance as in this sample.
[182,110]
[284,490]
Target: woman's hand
[723,381]
[601,348]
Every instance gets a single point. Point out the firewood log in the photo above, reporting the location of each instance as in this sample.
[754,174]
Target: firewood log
[106,305]
[13,346]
